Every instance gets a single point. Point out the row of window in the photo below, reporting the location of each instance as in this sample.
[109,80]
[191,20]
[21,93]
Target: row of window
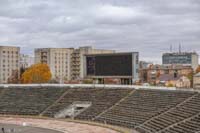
[10,65]
[61,71]
[10,56]
[10,61]
[6,74]
[61,66]
[10,52]
[61,54]
[57,75]
[61,62]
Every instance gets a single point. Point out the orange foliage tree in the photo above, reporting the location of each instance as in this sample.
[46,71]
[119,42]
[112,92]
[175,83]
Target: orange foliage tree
[38,73]
[198,69]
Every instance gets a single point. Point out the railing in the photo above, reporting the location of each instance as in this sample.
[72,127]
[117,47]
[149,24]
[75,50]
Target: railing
[99,86]
[88,86]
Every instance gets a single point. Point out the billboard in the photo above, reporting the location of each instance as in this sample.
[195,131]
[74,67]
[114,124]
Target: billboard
[109,65]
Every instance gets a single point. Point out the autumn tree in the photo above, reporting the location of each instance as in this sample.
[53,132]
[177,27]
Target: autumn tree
[38,73]
[170,85]
[190,76]
[198,69]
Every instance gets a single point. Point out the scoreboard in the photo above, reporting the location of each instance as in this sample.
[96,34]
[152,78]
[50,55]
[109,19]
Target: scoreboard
[110,64]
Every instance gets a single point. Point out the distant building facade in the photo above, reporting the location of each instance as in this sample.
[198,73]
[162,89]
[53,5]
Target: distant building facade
[26,61]
[183,82]
[66,63]
[58,59]
[144,64]
[173,81]
[77,60]
[183,58]
[9,62]
[196,81]
[153,73]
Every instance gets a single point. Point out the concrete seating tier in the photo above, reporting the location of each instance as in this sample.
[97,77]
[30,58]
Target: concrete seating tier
[101,100]
[141,106]
[184,111]
[27,101]
[189,126]
[104,100]
[147,111]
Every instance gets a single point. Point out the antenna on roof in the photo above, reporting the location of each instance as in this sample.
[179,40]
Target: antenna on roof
[170,48]
[179,47]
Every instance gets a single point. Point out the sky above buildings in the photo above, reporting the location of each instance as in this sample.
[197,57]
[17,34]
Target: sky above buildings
[147,26]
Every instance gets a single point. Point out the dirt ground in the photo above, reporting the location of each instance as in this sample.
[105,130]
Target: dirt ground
[28,124]
[10,128]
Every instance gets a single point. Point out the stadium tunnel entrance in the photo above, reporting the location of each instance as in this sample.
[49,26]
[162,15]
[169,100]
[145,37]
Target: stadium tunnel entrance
[73,110]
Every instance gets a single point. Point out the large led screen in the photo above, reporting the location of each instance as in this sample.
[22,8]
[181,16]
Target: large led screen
[109,65]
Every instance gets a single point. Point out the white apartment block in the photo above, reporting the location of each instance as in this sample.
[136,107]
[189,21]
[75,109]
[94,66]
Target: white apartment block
[66,63]
[26,61]
[58,59]
[9,62]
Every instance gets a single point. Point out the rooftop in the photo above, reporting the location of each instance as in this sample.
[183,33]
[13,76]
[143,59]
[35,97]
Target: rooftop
[168,77]
[180,53]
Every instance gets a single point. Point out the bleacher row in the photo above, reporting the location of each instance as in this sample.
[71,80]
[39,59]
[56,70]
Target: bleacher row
[143,105]
[27,101]
[101,100]
[174,118]
[147,111]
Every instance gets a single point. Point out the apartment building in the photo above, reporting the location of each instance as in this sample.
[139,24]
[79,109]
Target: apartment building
[26,61]
[78,62]
[66,63]
[58,59]
[9,62]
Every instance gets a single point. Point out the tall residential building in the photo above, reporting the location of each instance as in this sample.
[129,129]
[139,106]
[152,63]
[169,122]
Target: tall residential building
[66,63]
[26,61]
[9,62]
[77,59]
[58,59]
[183,58]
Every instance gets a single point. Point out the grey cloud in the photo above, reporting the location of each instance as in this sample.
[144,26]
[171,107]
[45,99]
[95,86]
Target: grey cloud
[147,26]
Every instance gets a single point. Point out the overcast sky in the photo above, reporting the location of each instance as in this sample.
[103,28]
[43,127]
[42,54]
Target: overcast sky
[147,26]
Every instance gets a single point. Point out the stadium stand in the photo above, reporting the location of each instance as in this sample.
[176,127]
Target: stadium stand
[27,101]
[191,125]
[145,110]
[183,111]
[101,100]
[1,91]
[141,106]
